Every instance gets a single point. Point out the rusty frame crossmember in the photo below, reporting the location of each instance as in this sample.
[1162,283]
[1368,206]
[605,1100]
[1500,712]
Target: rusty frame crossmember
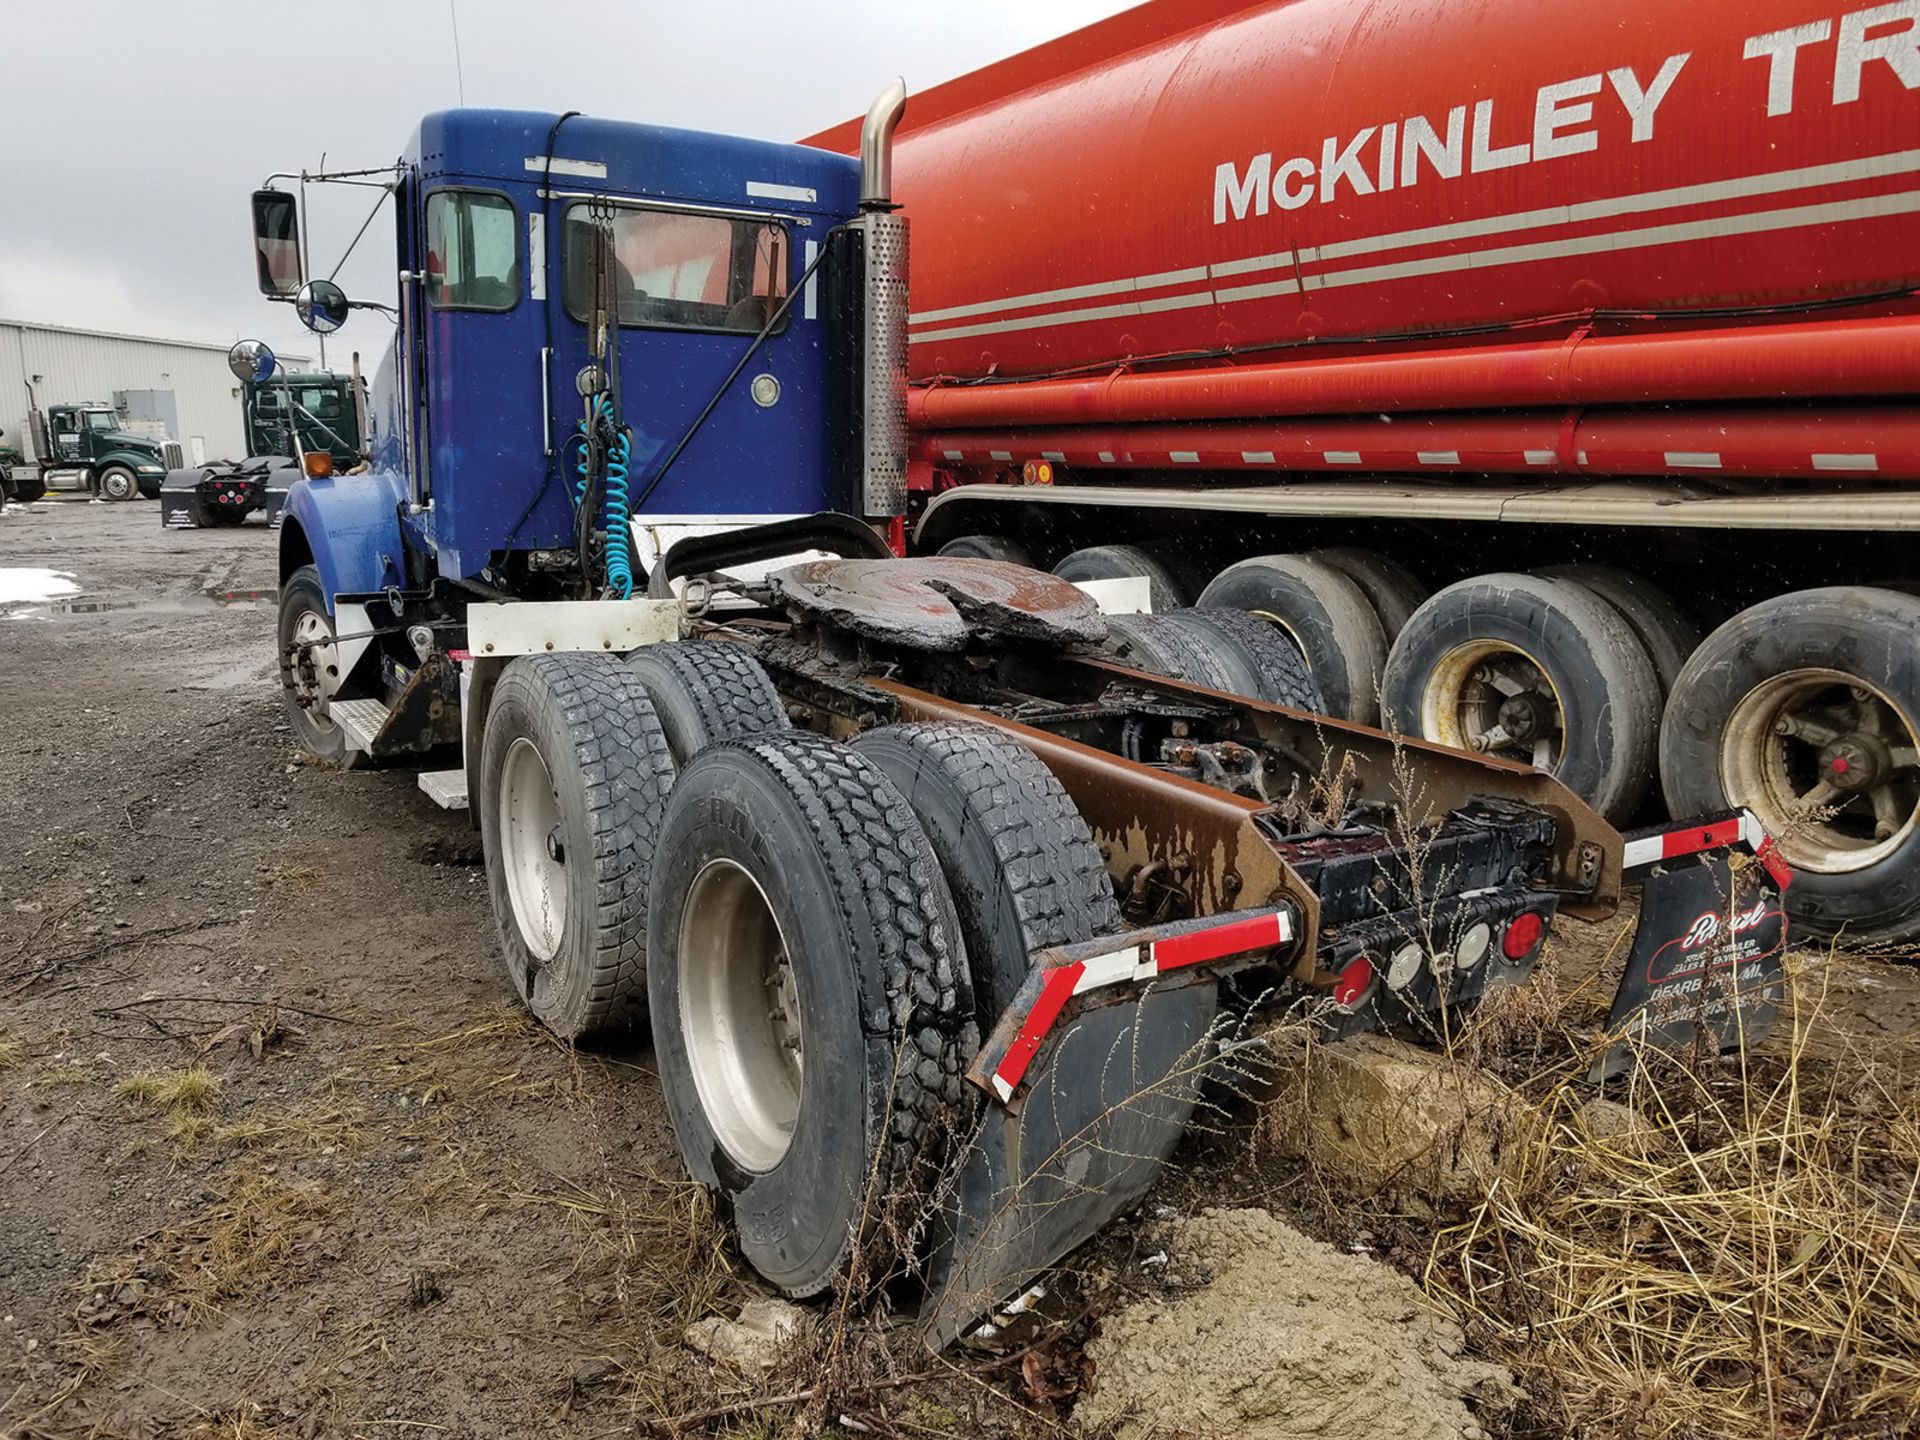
[1140,815]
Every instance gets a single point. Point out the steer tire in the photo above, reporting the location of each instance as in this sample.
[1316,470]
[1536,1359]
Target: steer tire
[301,595]
[1859,635]
[703,692]
[1608,693]
[584,724]
[1650,612]
[117,482]
[1394,591]
[1117,562]
[989,547]
[1324,613]
[791,867]
[1258,660]
[1162,645]
[1021,863]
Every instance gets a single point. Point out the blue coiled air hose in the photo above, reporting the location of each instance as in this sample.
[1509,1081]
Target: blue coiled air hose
[615,512]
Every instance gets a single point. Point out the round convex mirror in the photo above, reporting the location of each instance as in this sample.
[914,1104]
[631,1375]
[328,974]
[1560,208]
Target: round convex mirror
[321,306]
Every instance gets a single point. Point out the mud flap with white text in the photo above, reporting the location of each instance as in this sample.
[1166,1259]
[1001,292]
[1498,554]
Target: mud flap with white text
[1706,970]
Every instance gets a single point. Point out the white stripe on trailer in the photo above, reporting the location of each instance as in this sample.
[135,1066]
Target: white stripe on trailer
[1257,457]
[1341,457]
[1774,182]
[1059,457]
[1184,457]
[1539,457]
[1693,459]
[953,454]
[1846,462]
[1000,455]
[1438,457]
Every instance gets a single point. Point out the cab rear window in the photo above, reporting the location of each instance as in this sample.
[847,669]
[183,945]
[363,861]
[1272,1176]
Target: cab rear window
[676,270]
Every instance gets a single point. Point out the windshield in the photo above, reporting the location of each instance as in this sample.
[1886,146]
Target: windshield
[681,271]
[102,420]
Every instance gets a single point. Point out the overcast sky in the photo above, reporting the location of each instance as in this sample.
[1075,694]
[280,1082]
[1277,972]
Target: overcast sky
[132,130]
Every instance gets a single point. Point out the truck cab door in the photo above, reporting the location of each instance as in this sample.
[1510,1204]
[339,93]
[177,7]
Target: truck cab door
[64,427]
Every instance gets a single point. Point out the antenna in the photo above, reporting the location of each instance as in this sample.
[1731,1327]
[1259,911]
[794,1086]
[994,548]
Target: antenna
[459,74]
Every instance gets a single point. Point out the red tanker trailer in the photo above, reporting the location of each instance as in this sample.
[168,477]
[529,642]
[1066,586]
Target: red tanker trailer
[1497,352]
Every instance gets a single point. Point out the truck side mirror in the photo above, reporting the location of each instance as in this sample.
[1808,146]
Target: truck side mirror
[276,243]
[322,306]
[251,361]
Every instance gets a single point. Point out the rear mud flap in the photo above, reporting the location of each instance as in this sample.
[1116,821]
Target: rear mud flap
[1706,972]
[1082,1146]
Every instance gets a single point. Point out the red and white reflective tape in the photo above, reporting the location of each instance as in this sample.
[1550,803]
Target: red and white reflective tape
[1134,963]
[1742,829]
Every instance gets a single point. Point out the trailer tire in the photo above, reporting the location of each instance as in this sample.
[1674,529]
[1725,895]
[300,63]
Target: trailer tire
[1792,660]
[1118,562]
[1259,661]
[790,853]
[28,488]
[1020,861]
[989,547]
[1394,591]
[304,619]
[1161,645]
[117,482]
[1326,616]
[1651,613]
[574,773]
[1601,697]
[705,692]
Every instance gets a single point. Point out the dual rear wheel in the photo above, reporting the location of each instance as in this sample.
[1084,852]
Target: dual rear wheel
[816,932]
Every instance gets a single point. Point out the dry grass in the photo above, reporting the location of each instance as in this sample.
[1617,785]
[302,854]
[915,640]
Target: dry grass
[9,1055]
[190,1091]
[243,1242]
[1734,1253]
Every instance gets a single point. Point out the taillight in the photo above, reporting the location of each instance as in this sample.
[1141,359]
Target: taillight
[1524,935]
[1037,472]
[1354,982]
[1473,945]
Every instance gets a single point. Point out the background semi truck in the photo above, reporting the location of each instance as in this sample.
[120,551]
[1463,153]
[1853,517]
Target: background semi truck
[922,872]
[1561,408]
[87,446]
[287,418]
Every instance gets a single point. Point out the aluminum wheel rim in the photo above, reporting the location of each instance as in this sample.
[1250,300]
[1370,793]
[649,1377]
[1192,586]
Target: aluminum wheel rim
[118,486]
[740,1014]
[1463,700]
[1829,764]
[532,851]
[315,662]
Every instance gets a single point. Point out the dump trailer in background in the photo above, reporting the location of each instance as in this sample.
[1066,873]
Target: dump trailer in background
[1561,408]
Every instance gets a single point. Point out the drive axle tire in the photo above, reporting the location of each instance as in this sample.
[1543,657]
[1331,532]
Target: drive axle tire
[117,482]
[1021,863]
[1538,671]
[574,773]
[28,488]
[1394,591]
[703,692]
[305,621]
[1117,562]
[1326,616]
[1161,645]
[1666,630]
[811,1018]
[1805,709]
[1257,659]
[989,547]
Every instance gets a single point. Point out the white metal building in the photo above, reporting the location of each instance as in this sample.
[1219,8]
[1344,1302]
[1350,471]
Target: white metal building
[58,365]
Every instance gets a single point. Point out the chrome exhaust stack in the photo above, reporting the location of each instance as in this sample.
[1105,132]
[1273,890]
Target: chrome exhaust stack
[882,373]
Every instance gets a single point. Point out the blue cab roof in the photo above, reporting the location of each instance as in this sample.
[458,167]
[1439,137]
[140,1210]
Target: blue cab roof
[624,157]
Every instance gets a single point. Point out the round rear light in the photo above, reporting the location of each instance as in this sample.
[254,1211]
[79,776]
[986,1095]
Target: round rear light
[319,464]
[1354,982]
[1473,945]
[1524,935]
[1404,965]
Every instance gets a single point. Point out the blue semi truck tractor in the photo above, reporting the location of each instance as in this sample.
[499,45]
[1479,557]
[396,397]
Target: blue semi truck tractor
[940,884]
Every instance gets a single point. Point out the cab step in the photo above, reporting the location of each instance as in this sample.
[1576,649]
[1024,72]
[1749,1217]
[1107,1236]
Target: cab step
[360,719]
[446,788]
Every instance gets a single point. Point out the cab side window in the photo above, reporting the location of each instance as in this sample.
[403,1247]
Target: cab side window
[473,251]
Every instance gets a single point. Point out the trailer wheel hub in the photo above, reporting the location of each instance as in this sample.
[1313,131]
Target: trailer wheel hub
[1828,764]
